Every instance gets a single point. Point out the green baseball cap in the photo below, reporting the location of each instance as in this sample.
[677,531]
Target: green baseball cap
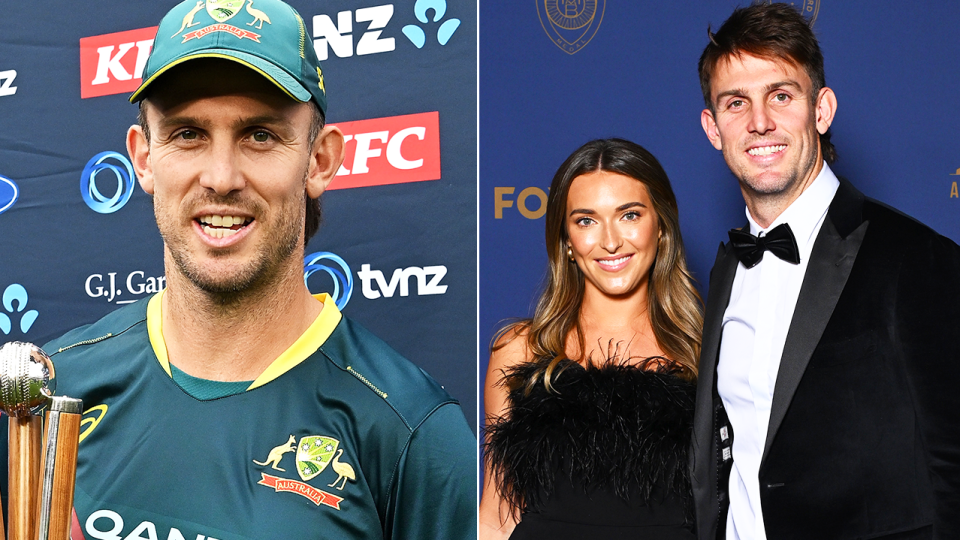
[268,36]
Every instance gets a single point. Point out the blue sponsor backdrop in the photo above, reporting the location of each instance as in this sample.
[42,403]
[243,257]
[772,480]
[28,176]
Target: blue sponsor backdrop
[545,90]
[78,235]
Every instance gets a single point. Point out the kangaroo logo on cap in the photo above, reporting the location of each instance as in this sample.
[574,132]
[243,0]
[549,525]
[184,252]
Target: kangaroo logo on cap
[221,11]
[188,19]
[270,39]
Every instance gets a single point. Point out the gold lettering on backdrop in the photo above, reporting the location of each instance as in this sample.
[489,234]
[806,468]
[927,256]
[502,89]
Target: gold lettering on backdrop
[526,211]
[953,191]
[499,202]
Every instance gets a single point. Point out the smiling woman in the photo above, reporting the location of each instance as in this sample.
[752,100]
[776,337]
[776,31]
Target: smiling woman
[589,403]
[612,233]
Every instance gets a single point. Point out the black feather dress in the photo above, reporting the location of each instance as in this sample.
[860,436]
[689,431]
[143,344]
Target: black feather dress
[603,456]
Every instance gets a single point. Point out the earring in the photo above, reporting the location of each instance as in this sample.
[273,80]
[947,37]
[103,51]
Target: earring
[570,254]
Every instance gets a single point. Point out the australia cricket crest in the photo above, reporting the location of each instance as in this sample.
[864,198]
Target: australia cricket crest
[223,10]
[314,453]
[570,24]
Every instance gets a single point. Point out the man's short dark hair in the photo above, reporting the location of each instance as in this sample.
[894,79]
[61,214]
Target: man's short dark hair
[313,214]
[767,30]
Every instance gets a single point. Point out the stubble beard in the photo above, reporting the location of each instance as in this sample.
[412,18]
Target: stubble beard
[257,277]
[773,192]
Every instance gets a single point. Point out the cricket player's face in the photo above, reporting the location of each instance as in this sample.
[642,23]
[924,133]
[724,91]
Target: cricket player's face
[766,121]
[228,164]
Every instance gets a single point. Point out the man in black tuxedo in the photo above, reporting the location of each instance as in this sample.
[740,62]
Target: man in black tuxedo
[829,395]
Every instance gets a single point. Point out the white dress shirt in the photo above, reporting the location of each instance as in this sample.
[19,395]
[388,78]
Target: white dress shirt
[755,327]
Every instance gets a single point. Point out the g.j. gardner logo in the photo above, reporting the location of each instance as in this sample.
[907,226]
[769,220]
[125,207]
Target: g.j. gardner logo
[336,268]
[110,166]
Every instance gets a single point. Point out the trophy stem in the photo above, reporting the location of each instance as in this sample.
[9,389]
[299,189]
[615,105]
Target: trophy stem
[59,468]
[25,440]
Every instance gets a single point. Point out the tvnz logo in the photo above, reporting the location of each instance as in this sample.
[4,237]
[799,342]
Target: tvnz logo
[374,284]
[335,267]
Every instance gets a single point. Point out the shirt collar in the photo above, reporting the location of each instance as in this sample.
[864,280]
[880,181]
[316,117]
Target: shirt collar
[308,343]
[805,214]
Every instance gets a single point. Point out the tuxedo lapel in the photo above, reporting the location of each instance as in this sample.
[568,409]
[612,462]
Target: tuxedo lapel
[831,261]
[721,283]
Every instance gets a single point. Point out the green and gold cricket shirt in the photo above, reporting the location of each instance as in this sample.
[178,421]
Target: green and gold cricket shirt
[339,438]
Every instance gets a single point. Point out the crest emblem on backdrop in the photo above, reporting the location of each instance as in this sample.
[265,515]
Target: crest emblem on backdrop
[809,8]
[570,24]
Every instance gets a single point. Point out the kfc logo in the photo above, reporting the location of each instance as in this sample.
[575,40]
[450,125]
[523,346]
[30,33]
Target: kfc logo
[391,150]
[113,63]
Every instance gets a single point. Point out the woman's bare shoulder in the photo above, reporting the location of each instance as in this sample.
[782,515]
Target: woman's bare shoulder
[510,348]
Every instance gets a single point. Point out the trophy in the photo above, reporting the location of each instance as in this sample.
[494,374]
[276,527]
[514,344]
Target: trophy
[42,454]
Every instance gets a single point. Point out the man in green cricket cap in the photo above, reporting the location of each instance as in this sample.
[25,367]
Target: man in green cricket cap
[234,404]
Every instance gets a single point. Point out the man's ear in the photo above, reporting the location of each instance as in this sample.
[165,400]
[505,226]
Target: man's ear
[139,150]
[325,159]
[826,109]
[709,124]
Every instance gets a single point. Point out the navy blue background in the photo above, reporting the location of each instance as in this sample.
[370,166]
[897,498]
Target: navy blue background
[52,242]
[892,64]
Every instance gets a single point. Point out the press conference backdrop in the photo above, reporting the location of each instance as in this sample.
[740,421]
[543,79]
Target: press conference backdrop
[397,246]
[557,73]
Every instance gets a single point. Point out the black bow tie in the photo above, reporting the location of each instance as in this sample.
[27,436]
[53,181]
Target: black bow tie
[779,241]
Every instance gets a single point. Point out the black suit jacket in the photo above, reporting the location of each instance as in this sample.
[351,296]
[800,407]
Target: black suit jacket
[864,433]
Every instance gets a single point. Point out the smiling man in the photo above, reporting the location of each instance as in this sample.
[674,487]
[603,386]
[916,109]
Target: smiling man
[827,405]
[233,404]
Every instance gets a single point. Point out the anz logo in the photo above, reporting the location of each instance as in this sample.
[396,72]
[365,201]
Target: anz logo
[14,302]
[416,34]
[340,36]
[113,167]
